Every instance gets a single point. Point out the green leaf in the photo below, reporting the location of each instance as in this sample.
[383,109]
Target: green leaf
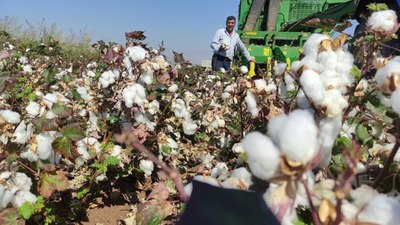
[81,194]
[39,205]
[356,72]
[111,161]
[31,96]
[49,76]
[26,210]
[67,78]
[341,143]
[362,134]
[61,110]
[100,167]
[51,182]
[76,95]
[63,145]
[73,132]
[42,124]
[233,128]
[377,7]
[167,149]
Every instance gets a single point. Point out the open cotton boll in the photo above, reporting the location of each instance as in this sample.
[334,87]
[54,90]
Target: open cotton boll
[331,80]
[107,78]
[381,210]
[328,60]
[189,97]
[301,100]
[384,74]
[146,166]
[220,169]
[298,142]
[279,69]
[136,53]
[83,92]
[81,148]
[345,61]
[29,155]
[189,127]
[142,118]
[383,23]
[51,115]
[334,103]
[238,148]
[311,46]
[154,107]
[146,77]
[313,86]
[329,129]
[385,100]
[244,69]
[274,127]
[44,147]
[10,117]
[22,133]
[311,64]
[242,174]
[251,103]
[395,101]
[180,109]
[27,69]
[5,198]
[173,88]
[290,82]
[262,155]
[260,84]
[134,94]
[33,109]
[21,197]
[230,88]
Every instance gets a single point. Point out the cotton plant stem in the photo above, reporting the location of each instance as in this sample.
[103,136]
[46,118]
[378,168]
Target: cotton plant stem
[385,169]
[314,213]
[174,174]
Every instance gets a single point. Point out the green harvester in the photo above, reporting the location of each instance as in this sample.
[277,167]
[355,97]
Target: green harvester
[275,30]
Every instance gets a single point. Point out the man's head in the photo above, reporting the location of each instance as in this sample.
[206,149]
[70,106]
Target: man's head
[230,23]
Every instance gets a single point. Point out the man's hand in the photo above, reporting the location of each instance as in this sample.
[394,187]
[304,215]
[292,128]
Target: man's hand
[224,47]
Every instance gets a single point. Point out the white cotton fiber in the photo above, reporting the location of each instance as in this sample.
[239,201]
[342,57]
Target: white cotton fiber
[33,109]
[301,100]
[134,94]
[146,166]
[244,69]
[146,77]
[10,116]
[136,53]
[383,22]
[311,46]
[328,60]
[274,127]
[279,69]
[334,103]
[329,129]
[142,118]
[251,103]
[395,101]
[381,210]
[260,84]
[298,137]
[262,155]
[243,174]
[44,147]
[313,86]
[22,133]
[189,127]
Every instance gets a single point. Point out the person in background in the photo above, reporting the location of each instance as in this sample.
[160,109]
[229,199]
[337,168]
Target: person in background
[224,44]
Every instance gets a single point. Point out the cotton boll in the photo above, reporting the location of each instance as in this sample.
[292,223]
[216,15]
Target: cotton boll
[263,156]
[23,59]
[274,127]
[146,77]
[218,170]
[328,60]
[189,127]
[310,63]
[222,70]
[311,46]
[230,88]
[29,155]
[116,152]
[146,166]
[299,143]
[81,148]
[237,148]
[383,23]
[189,97]
[395,101]
[329,129]
[387,76]
[260,84]
[44,147]
[27,69]
[313,86]
[179,108]
[107,78]
[334,103]
[22,133]
[92,121]
[251,103]
[51,115]
[345,61]
[290,82]
[362,195]
[244,69]
[301,100]
[5,198]
[173,88]
[142,118]
[49,99]
[381,210]
[242,174]
[83,92]
[385,100]
[136,53]
[154,107]
[10,116]
[279,69]
[134,94]
[21,197]
[33,109]
[271,87]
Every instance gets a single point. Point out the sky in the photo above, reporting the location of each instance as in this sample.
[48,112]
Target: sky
[185,26]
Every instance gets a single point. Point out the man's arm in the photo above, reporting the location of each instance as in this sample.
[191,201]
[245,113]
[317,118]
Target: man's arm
[215,45]
[243,50]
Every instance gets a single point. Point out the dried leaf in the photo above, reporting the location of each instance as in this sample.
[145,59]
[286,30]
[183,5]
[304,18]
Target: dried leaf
[327,212]
[51,182]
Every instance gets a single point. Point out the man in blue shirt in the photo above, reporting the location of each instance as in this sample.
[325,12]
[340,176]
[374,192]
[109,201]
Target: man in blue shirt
[224,44]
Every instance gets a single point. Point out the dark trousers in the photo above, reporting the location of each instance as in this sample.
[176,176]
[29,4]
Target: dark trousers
[219,61]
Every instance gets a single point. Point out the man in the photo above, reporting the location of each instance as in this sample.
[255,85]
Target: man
[224,43]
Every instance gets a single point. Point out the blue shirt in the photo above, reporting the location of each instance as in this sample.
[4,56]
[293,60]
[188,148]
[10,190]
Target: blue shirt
[222,36]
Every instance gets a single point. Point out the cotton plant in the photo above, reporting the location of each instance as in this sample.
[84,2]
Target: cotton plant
[383,23]
[15,189]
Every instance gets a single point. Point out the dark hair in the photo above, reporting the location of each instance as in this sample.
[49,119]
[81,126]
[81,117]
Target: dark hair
[230,18]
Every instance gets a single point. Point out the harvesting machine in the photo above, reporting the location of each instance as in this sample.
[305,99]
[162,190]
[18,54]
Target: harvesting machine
[274,30]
